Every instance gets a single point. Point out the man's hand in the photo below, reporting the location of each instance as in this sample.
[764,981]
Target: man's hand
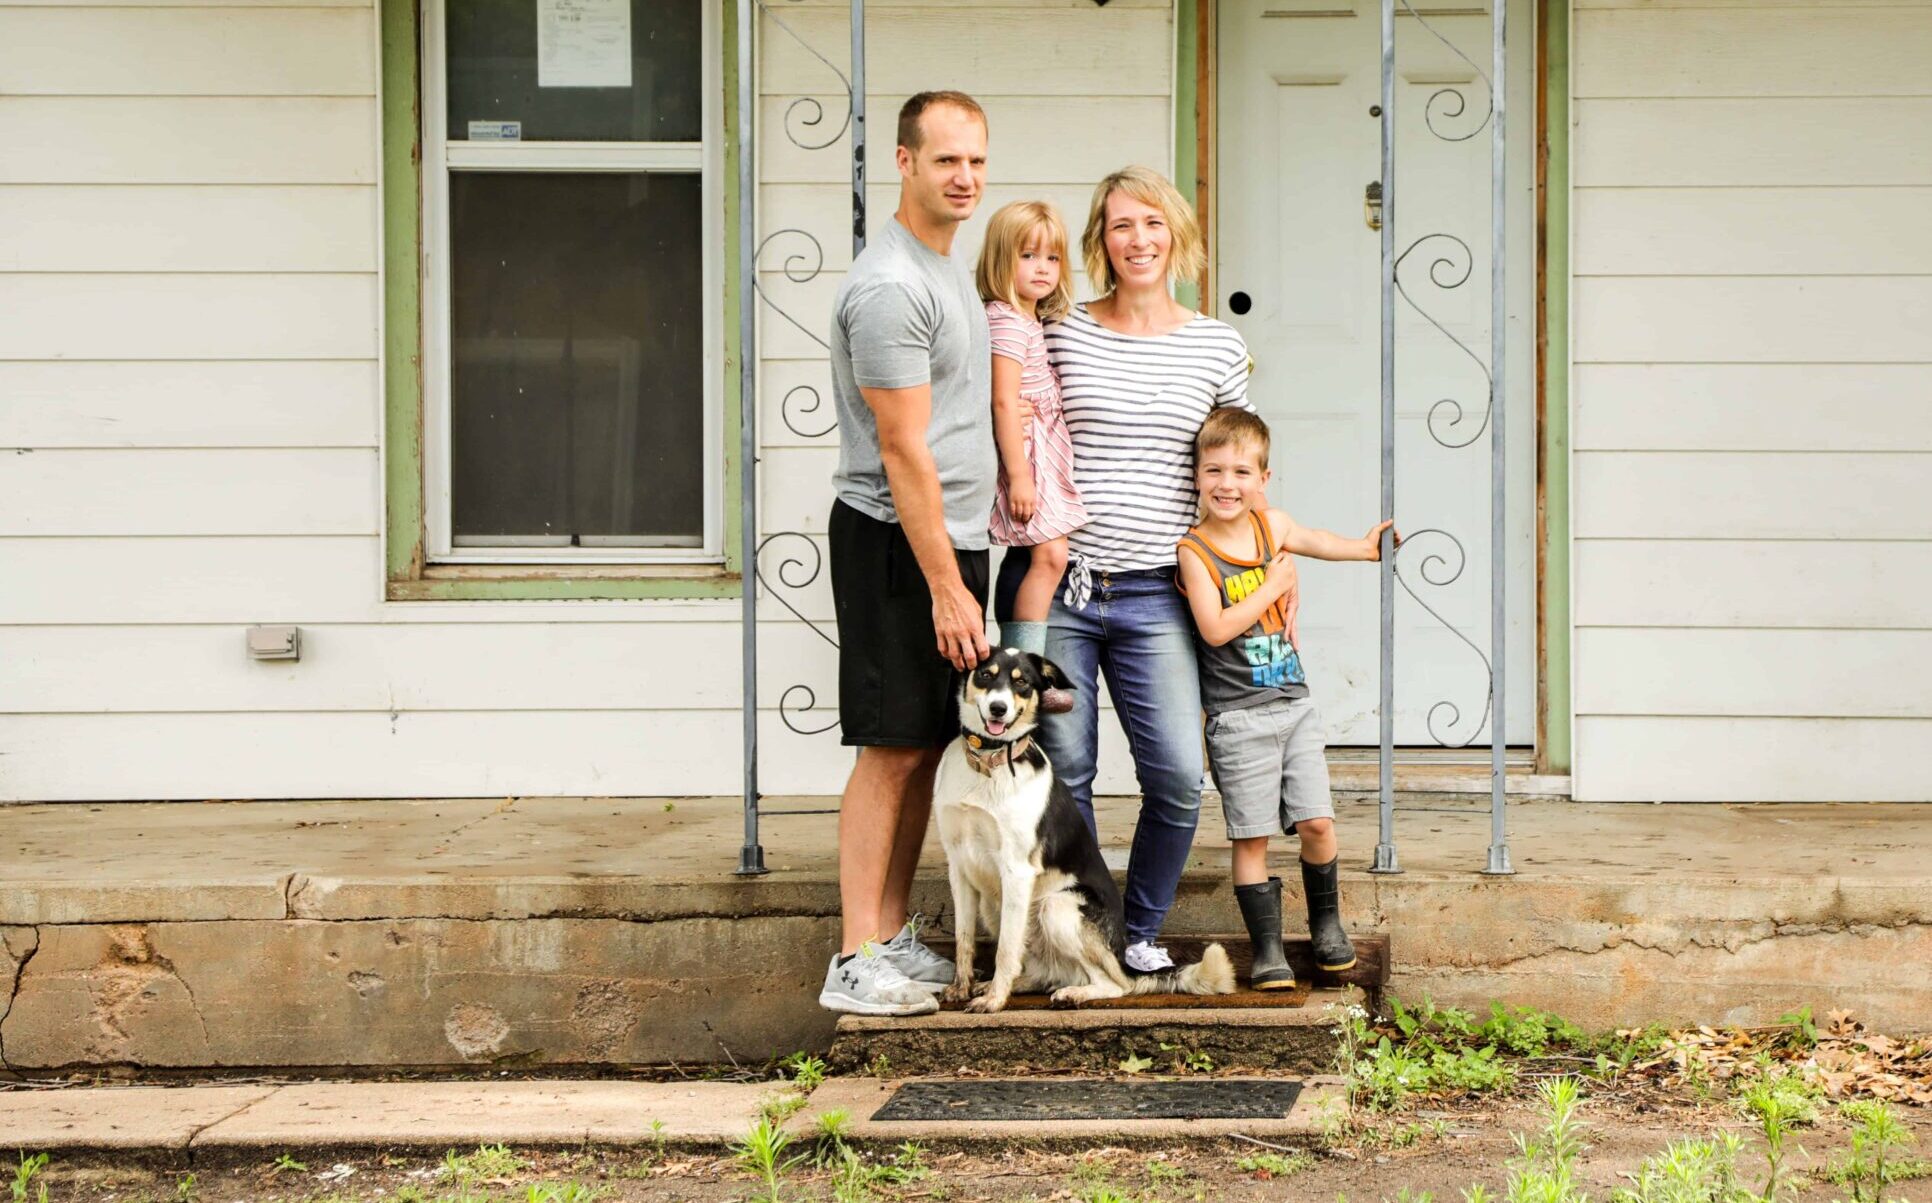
[1021,498]
[959,625]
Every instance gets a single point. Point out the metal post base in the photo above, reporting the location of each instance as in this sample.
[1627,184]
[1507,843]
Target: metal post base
[751,861]
[1499,865]
[1385,860]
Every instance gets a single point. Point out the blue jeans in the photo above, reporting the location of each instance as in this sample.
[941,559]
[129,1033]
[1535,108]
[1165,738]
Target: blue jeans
[1136,629]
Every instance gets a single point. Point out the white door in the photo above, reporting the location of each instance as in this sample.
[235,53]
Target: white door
[1298,144]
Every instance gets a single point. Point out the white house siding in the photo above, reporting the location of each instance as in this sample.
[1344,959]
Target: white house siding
[189,388]
[1072,91]
[1752,400]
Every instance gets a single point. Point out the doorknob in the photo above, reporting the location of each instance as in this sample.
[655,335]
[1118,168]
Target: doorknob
[1372,205]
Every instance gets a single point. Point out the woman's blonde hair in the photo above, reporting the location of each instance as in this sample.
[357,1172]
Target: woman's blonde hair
[1006,236]
[1186,259]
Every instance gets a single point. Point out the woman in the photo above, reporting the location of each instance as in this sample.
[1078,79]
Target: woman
[1139,373]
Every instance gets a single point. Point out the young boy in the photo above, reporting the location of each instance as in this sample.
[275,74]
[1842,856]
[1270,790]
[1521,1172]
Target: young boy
[1264,736]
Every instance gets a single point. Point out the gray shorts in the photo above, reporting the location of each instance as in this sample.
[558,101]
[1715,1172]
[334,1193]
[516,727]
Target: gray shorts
[1271,766]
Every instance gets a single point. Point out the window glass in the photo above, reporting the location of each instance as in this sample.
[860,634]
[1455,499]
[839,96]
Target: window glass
[565,84]
[577,348]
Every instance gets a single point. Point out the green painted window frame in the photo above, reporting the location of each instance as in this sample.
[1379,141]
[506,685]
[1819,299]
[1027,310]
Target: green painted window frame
[408,576]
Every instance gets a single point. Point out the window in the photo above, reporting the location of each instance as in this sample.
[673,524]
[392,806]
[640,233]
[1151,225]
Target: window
[572,410]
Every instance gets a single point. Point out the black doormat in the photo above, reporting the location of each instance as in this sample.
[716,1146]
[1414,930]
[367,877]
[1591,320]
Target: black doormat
[1061,1098]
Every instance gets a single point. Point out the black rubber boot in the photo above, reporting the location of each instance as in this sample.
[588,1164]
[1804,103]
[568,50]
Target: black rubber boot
[1261,911]
[1333,952]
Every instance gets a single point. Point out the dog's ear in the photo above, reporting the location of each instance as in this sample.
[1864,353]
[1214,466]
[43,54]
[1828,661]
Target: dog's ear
[1050,673]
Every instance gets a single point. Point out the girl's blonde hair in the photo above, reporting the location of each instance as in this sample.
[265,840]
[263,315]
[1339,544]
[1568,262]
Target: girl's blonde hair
[1006,236]
[1186,259]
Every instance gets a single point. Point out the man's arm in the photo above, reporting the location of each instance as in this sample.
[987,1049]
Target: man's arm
[902,415]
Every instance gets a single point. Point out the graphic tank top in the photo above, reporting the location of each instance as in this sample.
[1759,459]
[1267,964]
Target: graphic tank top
[1258,665]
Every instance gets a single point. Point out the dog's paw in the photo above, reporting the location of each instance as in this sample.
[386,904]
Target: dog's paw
[961,990]
[988,1003]
[1063,1000]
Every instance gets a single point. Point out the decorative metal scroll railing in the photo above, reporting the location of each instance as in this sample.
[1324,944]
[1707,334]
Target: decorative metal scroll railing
[783,564]
[1439,554]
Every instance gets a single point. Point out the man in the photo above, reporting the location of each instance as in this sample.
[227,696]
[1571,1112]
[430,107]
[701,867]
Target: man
[911,372]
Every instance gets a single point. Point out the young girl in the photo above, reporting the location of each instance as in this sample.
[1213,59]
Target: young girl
[1024,284]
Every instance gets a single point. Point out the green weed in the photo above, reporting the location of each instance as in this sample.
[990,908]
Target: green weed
[560,1192]
[487,1163]
[780,1107]
[287,1165]
[1875,1159]
[807,1072]
[184,1189]
[23,1179]
[1689,1171]
[1274,1165]
[1162,1172]
[762,1153]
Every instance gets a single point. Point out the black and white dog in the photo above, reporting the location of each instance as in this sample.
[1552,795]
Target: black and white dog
[1024,865]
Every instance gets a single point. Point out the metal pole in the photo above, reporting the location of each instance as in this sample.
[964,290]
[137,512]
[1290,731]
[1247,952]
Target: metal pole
[1385,858]
[858,126]
[751,857]
[1498,371]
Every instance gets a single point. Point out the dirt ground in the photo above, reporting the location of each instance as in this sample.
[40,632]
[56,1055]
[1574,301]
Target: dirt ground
[1441,1151]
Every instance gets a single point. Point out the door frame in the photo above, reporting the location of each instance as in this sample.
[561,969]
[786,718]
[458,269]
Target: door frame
[1195,133]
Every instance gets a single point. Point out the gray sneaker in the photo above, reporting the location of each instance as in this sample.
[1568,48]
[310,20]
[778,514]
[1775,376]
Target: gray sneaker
[869,984]
[920,964]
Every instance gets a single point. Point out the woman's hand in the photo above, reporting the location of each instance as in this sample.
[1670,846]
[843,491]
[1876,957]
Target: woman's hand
[1021,499]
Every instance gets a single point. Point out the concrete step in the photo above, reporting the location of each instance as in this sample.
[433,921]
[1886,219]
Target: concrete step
[1174,1038]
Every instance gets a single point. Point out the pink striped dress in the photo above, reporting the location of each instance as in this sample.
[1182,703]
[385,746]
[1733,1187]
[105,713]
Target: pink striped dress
[1049,448]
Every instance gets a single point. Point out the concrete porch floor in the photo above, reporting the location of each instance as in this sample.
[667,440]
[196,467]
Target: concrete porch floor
[517,933]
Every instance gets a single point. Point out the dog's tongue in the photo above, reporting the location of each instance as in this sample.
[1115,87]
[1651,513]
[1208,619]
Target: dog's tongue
[994,726]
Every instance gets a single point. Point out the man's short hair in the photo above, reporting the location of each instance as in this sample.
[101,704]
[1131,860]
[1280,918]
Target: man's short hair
[910,135]
[1231,427]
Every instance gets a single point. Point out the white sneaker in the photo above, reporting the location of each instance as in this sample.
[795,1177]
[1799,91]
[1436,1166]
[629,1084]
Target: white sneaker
[1147,957]
[869,984]
[921,965]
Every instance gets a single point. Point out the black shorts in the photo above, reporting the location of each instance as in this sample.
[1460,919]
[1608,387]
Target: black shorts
[895,690]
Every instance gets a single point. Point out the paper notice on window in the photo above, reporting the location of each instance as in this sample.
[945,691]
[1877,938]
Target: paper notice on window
[583,43]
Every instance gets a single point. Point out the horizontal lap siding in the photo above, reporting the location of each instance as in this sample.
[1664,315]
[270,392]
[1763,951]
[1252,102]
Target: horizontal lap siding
[1752,400]
[188,376]
[1102,103]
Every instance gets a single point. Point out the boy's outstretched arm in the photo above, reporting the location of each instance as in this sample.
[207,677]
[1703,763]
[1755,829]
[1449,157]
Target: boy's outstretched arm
[1324,544]
[1218,625]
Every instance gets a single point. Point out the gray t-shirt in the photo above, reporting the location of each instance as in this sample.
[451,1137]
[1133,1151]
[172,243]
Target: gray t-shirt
[905,316]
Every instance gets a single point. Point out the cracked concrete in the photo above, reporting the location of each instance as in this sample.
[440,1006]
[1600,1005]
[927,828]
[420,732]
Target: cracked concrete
[602,931]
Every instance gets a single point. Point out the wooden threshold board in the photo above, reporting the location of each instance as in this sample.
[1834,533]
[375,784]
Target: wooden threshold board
[1370,972]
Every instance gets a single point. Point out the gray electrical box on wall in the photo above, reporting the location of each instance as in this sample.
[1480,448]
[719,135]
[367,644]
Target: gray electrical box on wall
[275,643]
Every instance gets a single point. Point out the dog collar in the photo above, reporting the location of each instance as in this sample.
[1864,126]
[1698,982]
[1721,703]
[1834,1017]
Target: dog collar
[986,754]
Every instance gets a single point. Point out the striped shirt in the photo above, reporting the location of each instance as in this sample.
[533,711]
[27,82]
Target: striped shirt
[1134,405]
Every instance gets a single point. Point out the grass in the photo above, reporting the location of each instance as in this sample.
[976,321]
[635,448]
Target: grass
[1274,1165]
[489,1163]
[1430,1051]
